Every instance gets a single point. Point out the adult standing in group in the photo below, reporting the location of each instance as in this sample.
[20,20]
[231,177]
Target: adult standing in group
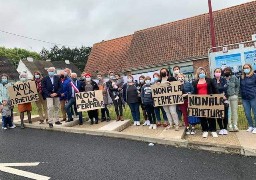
[51,86]
[113,90]
[25,107]
[41,103]
[156,78]
[102,86]
[65,82]
[90,85]
[222,88]
[202,86]
[176,71]
[233,86]
[170,110]
[75,86]
[4,94]
[248,93]
[131,97]
[144,112]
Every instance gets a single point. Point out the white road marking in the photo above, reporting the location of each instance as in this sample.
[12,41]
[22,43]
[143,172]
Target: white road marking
[4,167]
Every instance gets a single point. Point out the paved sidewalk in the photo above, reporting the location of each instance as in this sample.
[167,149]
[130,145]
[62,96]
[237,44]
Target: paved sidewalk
[240,142]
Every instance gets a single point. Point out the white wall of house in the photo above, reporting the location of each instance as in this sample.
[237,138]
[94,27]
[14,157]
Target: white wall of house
[22,67]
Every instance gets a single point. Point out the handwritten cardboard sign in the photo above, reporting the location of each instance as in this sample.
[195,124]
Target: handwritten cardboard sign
[167,93]
[210,106]
[23,92]
[86,101]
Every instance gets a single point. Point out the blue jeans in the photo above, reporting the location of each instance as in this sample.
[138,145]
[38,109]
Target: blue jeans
[248,106]
[157,111]
[7,120]
[68,108]
[135,109]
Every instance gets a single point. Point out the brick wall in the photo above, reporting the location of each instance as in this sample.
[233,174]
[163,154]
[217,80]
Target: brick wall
[201,63]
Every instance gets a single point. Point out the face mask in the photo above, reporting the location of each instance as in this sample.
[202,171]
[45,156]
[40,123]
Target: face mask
[23,79]
[202,75]
[181,79]
[156,79]
[148,82]
[88,79]
[247,71]
[37,76]
[112,77]
[217,74]
[99,78]
[129,80]
[176,71]
[227,74]
[65,74]
[163,74]
[51,74]
[4,81]
[142,81]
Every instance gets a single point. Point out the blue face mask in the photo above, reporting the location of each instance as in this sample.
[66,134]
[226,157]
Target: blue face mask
[202,75]
[4,81]
[51,74]
[247,71]
[156,79]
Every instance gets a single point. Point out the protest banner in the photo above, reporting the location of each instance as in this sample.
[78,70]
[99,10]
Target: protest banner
[167,93]
[210,106]
[86,101]
[23,92]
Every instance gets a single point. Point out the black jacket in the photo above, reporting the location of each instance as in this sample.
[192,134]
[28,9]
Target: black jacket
[48,88]
[93,83]
[211,86]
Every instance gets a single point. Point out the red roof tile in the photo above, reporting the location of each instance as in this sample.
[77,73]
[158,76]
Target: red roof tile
[175,41]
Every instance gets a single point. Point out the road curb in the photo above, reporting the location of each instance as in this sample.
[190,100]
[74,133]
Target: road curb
[212,147]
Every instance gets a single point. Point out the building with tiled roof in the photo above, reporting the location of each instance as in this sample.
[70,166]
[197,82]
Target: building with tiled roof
[185,42]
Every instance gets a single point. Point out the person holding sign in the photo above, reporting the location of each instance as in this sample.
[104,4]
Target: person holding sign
[204,85]
[41,103]
[90,85]
[187,88]
[156,77]
[51,86]
[148,102]
[131,96]
[222,87]
[233,87]
[248,93]
[170,110]
[25,107]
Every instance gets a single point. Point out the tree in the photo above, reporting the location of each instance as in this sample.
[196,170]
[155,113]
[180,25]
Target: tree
[16,54]
[78,56]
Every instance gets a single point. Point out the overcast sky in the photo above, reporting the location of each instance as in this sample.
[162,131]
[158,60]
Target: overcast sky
[85,22]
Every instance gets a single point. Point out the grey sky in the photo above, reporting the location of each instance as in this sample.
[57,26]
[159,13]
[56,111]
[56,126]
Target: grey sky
[85,22]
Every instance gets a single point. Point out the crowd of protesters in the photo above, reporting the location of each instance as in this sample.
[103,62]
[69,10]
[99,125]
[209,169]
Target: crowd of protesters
[57,92]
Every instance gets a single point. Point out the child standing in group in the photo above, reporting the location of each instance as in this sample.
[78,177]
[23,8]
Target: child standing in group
[6,111]
[147,100]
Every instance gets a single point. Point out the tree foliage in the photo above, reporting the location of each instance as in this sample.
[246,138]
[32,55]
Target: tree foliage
[78,56]
[16,54]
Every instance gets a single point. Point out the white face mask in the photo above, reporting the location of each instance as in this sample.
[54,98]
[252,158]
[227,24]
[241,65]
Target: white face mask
[176,71]
[141,81]
[129,80]
[23,79]
[88,79]
[148,82]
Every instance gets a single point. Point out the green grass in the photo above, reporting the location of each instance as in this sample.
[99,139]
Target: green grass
[242,122]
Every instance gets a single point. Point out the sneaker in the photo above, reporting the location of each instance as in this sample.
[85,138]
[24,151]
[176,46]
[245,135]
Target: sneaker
[236,128]
[177,127]
[187,131]
[221,132]
[12,127]
[214,134]
[254,131]
[148,123]
[151,126]
[50,125]
[231,128]
[158,124]
[5,128]
[168,127]
[145,123]
[58,123]
[205,134]
[250,129]
[154,126]
[192,132]
[116,98]
[138,123]
[134,123]
[225,132]
[22,126]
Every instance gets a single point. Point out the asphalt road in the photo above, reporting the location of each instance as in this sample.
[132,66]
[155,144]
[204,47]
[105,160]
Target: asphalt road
[76,156]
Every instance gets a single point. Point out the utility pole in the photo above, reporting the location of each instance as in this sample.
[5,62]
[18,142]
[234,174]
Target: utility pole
[212,26]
